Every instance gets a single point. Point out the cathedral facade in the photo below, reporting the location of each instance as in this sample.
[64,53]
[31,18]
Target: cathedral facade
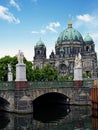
[69,43]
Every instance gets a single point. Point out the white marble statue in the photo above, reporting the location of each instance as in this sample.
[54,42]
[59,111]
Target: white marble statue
[78,62]
[20,57]
[9,68]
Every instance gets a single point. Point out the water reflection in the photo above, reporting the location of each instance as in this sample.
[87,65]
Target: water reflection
[51,113]
[4,120]
[50,118]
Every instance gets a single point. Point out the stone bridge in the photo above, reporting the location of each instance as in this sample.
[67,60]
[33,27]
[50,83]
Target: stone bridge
[23,100]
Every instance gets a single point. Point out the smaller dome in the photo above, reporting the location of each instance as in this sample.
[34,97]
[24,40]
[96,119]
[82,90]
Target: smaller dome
[88,39]
[40,43]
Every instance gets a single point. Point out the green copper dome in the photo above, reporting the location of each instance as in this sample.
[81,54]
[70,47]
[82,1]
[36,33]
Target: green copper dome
[69,35]
[40,43]
[88,39]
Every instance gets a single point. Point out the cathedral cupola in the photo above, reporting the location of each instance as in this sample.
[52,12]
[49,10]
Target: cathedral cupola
[69,35]
[40,43]
[88,39]
[88,44]
[40,50]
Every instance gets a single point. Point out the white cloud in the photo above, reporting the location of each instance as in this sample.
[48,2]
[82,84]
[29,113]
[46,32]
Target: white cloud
[35,32]
[14,4]
[52,26]
[85,18]
[94,35]
[39,32]
[42,31]
[87,22]
[6,15]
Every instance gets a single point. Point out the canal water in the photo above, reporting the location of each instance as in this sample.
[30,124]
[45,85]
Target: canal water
[52,117]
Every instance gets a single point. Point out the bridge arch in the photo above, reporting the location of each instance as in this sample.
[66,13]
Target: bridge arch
[4,104]
[52,98]
[51,106]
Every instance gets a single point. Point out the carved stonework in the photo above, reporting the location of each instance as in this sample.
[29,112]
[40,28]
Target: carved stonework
[20,57]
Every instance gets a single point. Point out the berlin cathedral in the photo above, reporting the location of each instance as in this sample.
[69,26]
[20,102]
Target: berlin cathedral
[69,43]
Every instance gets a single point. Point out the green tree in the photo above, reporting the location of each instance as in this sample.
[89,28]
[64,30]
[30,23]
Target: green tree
[49,73]
[63,78]
[13,61]
[4,67]
[36,74]
[29,71]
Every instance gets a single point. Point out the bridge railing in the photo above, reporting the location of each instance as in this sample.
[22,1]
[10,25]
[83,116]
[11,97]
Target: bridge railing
[7,85]
[50,84]
[53,84]
[86,83]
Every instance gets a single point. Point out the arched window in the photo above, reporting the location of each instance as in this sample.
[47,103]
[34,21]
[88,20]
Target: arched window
[87,48]
[38,52]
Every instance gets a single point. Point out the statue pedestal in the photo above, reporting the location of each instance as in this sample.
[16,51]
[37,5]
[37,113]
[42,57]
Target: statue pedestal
[21,84]
[21,72]
[78,77]
[78,73]
[78,83]
[10,76]
[21,81]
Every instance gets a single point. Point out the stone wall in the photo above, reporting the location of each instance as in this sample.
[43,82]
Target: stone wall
[77,95]
[22,100]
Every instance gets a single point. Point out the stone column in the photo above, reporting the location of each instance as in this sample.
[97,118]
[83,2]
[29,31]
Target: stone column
[10,76]
[21,81]
[23,103]
[78,81]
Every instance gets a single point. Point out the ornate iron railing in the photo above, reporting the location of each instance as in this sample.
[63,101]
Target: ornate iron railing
[86,83]
[7,85]
[52,84]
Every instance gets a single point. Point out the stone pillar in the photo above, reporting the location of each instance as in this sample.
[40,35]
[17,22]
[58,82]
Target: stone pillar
[21,81]
[10,76]
[23,103]
[78,81]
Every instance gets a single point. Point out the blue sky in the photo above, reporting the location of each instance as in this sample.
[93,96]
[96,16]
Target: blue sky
[24,22]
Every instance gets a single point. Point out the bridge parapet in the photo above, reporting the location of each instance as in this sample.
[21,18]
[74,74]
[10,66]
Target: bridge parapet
[58,84]
[48,84]
[7,85]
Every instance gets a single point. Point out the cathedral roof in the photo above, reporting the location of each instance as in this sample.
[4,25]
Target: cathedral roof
[61,50]
[40,43]
[88,39]
[69,35]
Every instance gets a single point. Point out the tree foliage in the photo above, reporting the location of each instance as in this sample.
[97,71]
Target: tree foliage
[4,67]
[13,61]
[47,73]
